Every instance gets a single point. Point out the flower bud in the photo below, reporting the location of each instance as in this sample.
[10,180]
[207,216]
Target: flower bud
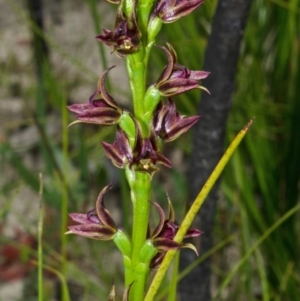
[147,252]
[154,28]
[123,243]
[127,124]
[151,100]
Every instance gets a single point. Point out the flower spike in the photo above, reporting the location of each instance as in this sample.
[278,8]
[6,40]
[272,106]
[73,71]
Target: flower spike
[101,107]
[175,78]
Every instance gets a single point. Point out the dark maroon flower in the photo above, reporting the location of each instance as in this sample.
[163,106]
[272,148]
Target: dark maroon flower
[176,79]
[101,108]
[144,157]
[163,235]
[147,155]
[96,223]
[119,152]
[172,10]
[125,38]
[168,124]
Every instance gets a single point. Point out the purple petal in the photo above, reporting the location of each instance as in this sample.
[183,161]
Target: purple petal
[192,233]
[198,75]
[177,86]
[157,260]
[119,152]
[183,8]
[93,217]
[171,217]
[114,155]
[165,244]
[161,159]
[102,212]
[95,231]
[101,86]
[169,230]
[79,218]
[168,69]
[182,126]
[160,225]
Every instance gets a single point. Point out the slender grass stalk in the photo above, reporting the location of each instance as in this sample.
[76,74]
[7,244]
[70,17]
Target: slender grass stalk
[125,209]
[263,275]
[269,231]
[64,202]
[193,211]
[40,242]
[64,285]
[97,26]
[174,279]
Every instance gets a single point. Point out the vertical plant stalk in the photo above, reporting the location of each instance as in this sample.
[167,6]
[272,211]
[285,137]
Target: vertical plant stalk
[140,182]
[64,203]
[40,243]
[140,185]
[137,63]
[136,72]
[193,212]
[97,22]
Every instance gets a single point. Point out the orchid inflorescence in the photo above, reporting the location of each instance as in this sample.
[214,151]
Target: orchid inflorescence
[139,136]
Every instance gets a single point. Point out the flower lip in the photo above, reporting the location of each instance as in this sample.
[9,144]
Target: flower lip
[147,156]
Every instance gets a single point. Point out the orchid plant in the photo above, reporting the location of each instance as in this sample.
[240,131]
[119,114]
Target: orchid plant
[139,137]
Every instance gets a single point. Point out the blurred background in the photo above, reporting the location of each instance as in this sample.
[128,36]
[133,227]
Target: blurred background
[49,58]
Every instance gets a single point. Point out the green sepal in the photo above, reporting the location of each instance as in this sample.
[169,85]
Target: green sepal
[123,243]
[127,124]
[147,252]
[154,28]
[151,100]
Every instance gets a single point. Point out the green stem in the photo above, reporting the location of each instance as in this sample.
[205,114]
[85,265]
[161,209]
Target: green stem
[40,243]
[64,202]
[143,12]
[140,184]
[136,71]
[193,211]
